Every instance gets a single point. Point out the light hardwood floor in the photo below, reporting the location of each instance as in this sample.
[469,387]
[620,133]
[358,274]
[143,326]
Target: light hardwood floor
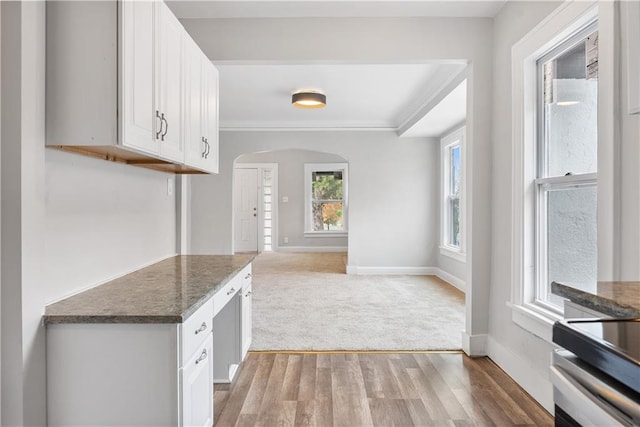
[373,389]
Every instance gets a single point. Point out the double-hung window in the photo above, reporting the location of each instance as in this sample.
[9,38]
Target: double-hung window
[566,183]
[554,148]
[452,217]
[326,199]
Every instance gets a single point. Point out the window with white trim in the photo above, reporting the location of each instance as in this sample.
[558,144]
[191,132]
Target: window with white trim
[452,217]
[554,147]
[326,199]
[566,164]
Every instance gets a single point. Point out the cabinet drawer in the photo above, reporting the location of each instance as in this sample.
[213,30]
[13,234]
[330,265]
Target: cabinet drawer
[246,275]
[228,291]
[196,329]
[197,387]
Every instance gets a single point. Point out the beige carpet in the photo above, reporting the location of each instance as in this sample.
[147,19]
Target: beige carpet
[307,302]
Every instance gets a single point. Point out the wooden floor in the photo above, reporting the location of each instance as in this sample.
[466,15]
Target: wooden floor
[373,389]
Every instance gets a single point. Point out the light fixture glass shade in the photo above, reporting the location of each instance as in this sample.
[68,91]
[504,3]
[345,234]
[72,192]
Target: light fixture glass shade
[309,99]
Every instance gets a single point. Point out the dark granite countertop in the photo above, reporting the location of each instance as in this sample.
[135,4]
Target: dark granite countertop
[617,299]
[166,292]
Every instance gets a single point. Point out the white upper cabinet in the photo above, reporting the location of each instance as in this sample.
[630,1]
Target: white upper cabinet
[139,127]
[201,111]
[118,86]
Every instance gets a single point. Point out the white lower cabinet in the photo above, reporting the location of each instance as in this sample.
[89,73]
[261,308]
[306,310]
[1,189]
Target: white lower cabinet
[128,374]
[197,387]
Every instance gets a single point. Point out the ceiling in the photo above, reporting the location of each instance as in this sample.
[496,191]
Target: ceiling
[412,99]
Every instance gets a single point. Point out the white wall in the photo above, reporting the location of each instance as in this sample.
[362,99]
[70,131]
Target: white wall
[384,40]
[290,218]
[392,181]
[522,355]
[67,221]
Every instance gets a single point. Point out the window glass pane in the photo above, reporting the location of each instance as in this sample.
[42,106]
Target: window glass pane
[454,210]
[571,239]
[326,185]
[455,170]
[570,122]
[327,216]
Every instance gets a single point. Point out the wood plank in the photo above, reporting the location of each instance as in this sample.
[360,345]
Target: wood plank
[350,405]
[274,384]
[390,412]
[291,382]
[372,384]
[406,386]
[256,391]
[307,389]
[305,413]
[237,394]
[278,413]
[445,394]
[428,395]
[323,409]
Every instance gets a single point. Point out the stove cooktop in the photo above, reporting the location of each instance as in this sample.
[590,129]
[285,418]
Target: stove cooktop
[610,345]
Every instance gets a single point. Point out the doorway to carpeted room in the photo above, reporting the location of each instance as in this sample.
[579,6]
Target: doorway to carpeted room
[305,301]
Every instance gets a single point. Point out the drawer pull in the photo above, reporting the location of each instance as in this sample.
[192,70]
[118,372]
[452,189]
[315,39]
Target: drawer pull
[230,291]
[202,328]
[202,356]
[247,276]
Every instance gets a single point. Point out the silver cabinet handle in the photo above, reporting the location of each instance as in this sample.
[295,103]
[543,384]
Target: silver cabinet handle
[166,127]
[204,150]
[203,356]
[208,148]
[232,290]
[247,276]
[248,294]
[202,328]
[158,116]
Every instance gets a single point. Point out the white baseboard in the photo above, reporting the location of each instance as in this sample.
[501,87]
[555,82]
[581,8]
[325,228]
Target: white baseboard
[451,279]
[415,271]
[535,382]
[474,345]
[294,249]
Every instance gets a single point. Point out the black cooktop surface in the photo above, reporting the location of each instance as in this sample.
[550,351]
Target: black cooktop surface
[611,345]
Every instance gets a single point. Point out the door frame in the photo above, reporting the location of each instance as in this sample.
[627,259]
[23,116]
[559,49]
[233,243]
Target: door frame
[274,197]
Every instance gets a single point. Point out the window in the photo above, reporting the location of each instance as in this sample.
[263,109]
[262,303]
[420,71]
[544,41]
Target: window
[554,151]
[452,217]
[566,165]
[326,199]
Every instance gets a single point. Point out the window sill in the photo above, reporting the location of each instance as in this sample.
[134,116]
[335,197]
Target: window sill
[534,319]
[326,234]
[452,253]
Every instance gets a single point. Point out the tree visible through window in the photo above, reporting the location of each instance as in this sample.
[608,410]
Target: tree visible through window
[327,200]
[326,197]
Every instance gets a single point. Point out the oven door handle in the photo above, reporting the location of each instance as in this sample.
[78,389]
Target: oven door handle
[615,408]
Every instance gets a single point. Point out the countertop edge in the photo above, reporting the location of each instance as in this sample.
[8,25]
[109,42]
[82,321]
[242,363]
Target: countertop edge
[595,302]
[58,319]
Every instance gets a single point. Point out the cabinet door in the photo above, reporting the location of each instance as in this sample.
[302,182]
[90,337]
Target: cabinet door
[197,387]
[170,39]
[210,113]
[195,148]
[246,319]
[136,79]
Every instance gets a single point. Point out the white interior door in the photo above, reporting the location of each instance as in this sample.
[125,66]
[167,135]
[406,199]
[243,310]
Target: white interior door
[246,210]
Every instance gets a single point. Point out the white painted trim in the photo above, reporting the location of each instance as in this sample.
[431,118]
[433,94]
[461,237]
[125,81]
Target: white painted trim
[455,281]
[321,234]
[309,168]
[297,128]
[452,253]
[413,271]
[561,23]
[444,82]
[274,202]
[294,249]
[474,345]
[633,60]
[456,137]
[516,366]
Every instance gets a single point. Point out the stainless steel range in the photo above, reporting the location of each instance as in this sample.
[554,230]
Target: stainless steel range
[596,378]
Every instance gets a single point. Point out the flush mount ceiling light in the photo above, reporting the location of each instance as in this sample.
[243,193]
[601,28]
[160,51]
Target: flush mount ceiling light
[308,99]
